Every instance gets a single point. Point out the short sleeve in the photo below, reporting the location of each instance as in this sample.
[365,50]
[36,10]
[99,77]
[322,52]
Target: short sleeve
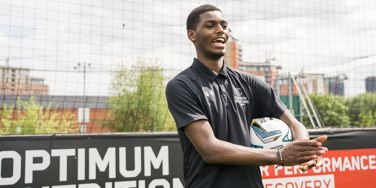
[267,104]
[183,103]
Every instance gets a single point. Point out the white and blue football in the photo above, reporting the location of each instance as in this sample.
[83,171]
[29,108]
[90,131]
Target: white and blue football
[269,133]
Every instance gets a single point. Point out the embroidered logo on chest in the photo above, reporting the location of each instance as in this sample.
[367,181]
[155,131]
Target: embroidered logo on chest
[208,93]
[239,98]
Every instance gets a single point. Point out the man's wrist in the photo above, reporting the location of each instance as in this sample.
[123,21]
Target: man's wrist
[280,157]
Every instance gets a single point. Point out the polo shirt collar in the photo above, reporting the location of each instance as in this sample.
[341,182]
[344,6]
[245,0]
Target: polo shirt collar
[200,67]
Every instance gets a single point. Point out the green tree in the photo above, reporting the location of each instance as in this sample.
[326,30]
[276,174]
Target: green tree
[362,110]
[332,110]
[139,103]
[28,117]
[366,119]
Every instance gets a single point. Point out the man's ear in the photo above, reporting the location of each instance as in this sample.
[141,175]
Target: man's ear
[191,35]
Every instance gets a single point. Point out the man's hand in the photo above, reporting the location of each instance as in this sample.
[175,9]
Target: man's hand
[318,161]
[301,151]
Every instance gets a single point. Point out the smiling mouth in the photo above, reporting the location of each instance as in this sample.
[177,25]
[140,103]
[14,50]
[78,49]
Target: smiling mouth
[219,42]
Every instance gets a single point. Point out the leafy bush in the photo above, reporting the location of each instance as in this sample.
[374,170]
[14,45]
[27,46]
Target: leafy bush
[28,117]
[139,103]
[332,110]
[362,110]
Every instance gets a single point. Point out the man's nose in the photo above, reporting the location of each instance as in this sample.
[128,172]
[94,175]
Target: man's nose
[220,29]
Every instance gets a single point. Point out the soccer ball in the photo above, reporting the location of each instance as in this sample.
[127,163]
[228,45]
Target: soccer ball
[269,133]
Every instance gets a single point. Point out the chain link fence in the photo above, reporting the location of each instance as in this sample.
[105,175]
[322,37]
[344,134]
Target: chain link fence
[101,66]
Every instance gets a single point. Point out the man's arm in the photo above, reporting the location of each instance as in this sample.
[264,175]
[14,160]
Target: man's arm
[298,130]
[215,151]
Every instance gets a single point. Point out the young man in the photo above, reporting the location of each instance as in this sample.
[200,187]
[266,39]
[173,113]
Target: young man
[213,107]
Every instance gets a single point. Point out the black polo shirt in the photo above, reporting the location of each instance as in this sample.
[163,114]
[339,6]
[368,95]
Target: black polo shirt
[229,101]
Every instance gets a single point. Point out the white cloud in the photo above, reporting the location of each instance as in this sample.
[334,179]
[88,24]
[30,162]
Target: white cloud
[56,35]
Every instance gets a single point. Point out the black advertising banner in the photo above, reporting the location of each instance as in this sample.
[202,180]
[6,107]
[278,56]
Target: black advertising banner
[91,161]
[347,138]
[155,160]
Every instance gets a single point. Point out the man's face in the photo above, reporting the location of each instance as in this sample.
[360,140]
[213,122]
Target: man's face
[211,35]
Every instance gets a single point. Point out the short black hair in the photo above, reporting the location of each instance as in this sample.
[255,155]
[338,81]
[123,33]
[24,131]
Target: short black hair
[194,16]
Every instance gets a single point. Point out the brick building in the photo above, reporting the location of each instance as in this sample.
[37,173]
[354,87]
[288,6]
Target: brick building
[98,106]
[371,84]
[17,81]
[233,54]
[263,70]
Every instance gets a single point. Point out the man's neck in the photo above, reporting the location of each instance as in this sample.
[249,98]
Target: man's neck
[213,64]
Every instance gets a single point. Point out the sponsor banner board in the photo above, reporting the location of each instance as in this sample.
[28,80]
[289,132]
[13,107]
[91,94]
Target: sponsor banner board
[341,168]
[102,161]
[155,160]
